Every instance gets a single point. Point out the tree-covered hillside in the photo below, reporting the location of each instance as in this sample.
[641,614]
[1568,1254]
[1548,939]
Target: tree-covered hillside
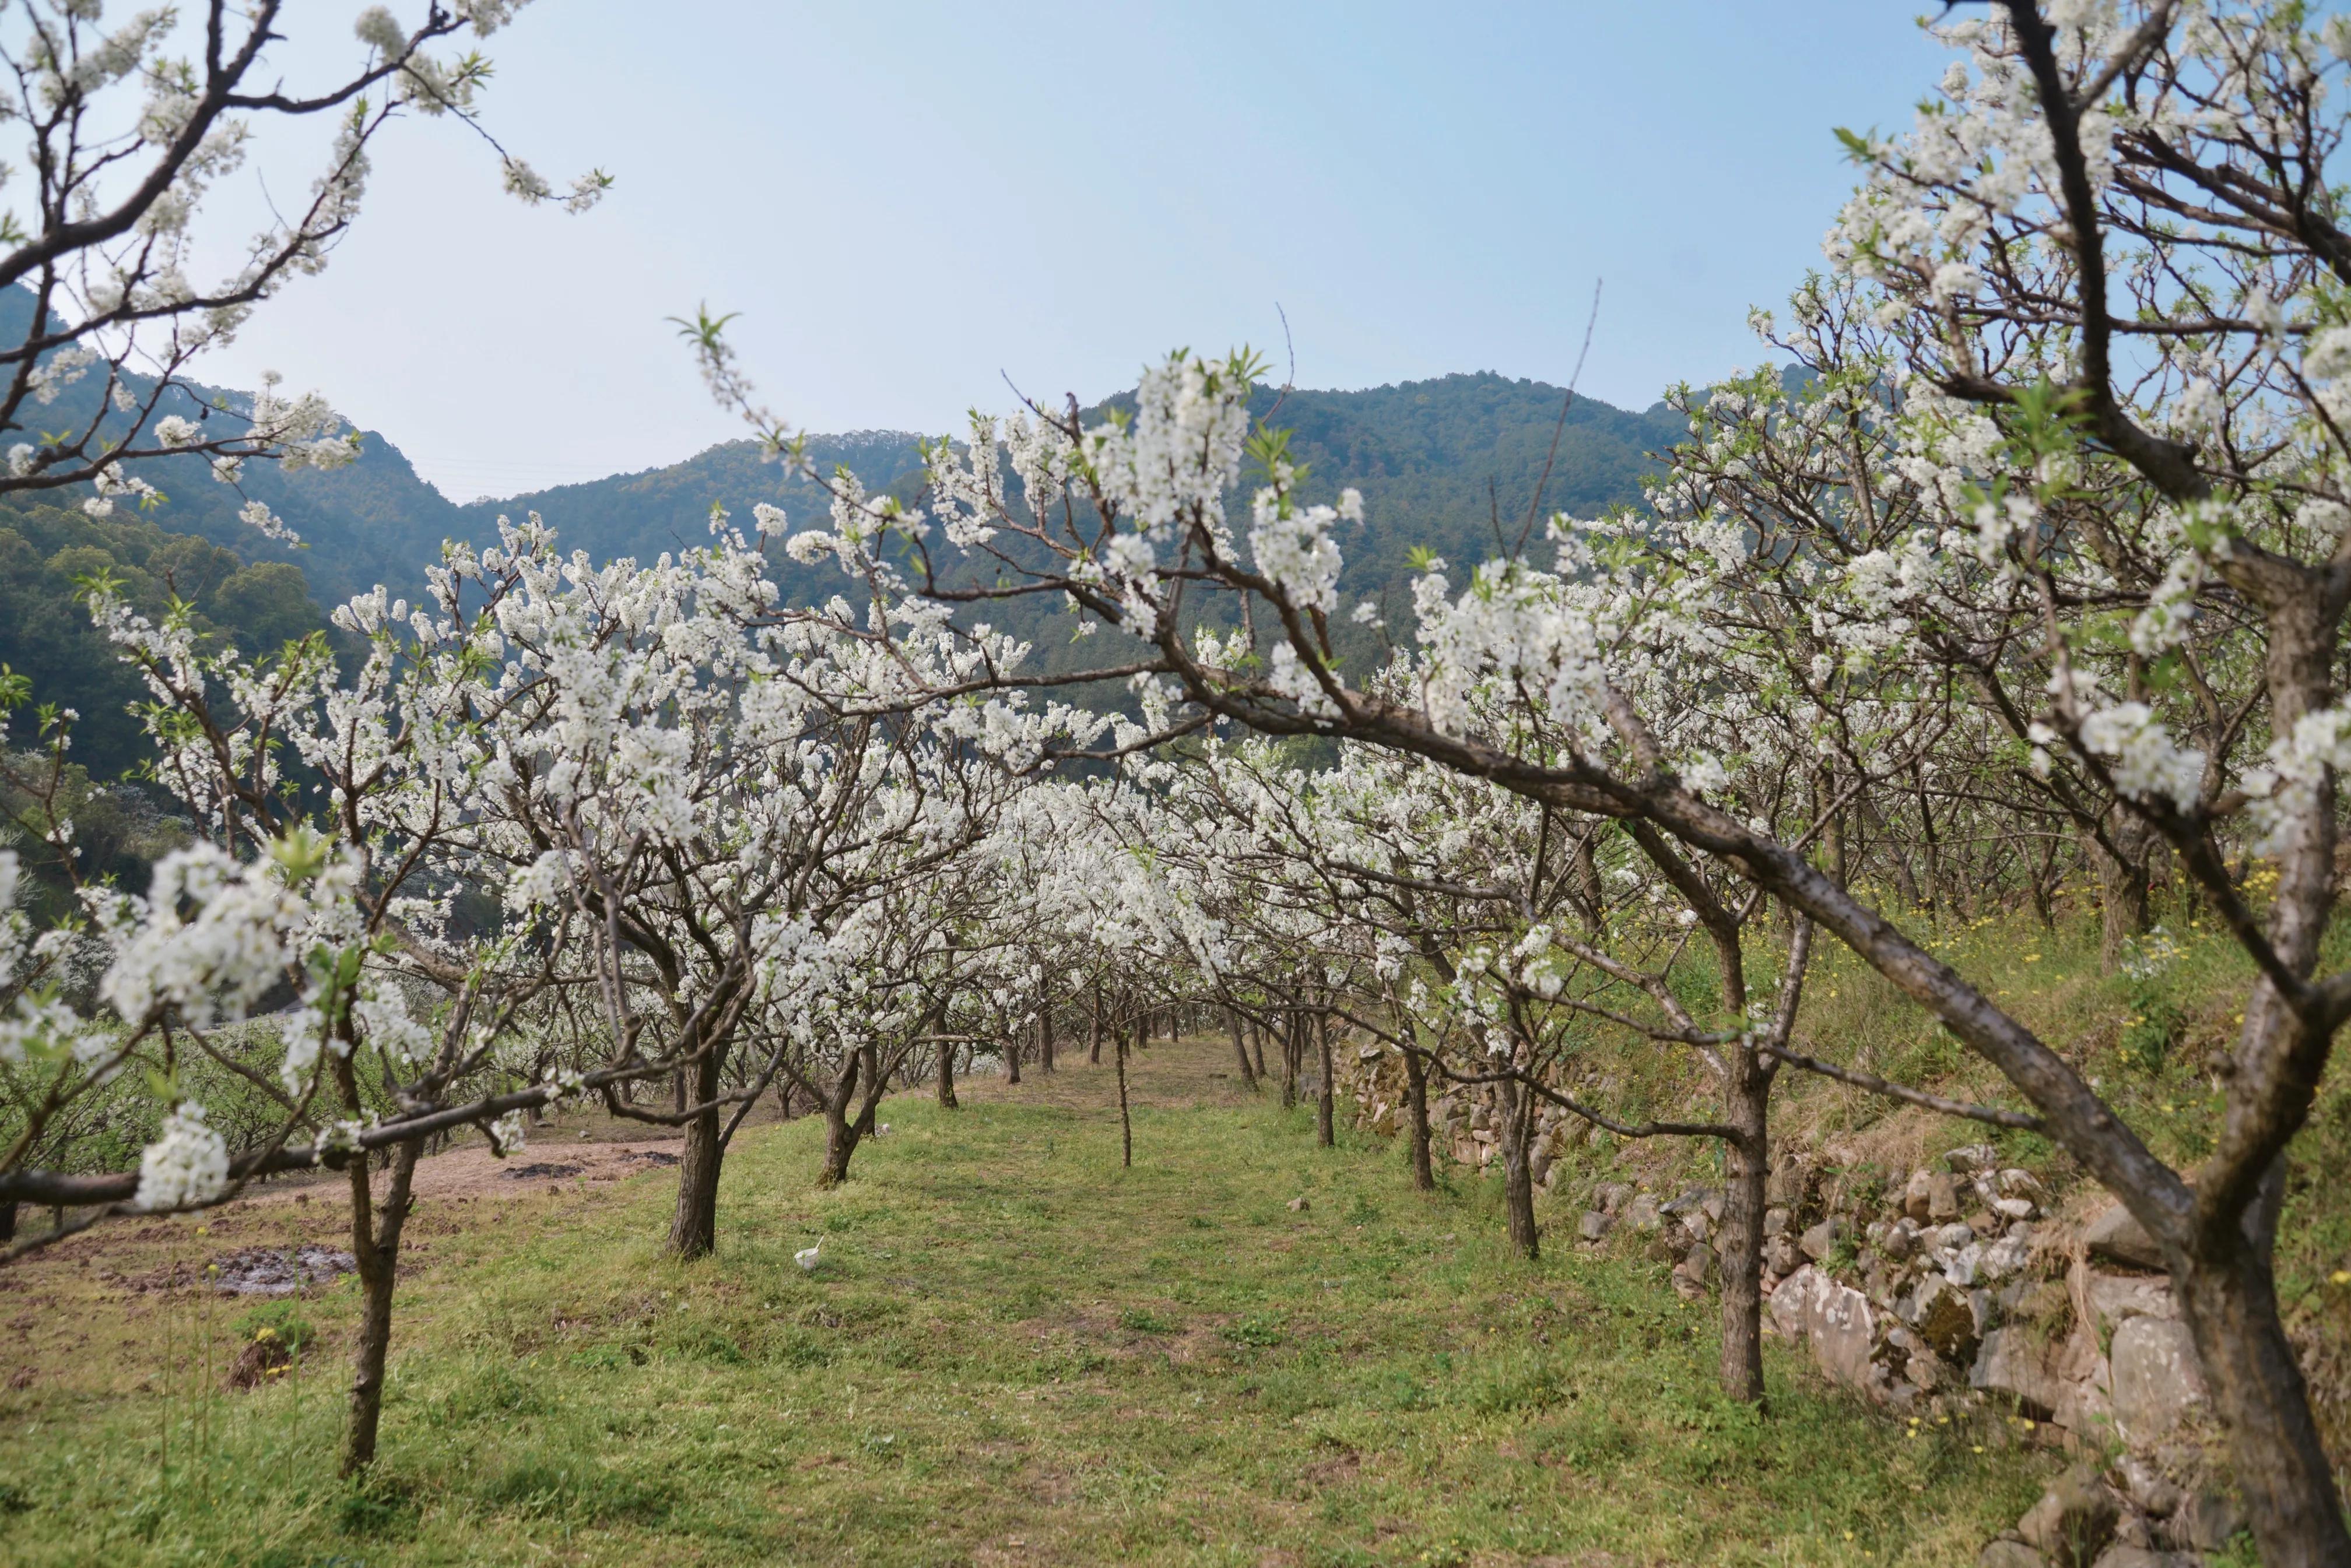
[1441,463]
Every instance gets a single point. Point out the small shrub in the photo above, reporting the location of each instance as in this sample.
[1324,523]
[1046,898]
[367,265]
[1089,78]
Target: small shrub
[279,1321]
[1140,1321]
[1261,1333]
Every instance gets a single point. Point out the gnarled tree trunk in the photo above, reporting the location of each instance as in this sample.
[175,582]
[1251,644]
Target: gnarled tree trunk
[1517,1108]
[375,1244]
[1326,1103]
[694,1228]
[1416,1105]
[1747,1105]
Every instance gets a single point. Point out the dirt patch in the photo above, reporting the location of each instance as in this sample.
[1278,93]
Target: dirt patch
[542,1169]
[652,1157]
[278,1271]
[259,1362]
[1337,1471]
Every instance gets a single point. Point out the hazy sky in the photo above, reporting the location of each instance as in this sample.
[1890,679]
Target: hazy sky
[909,203]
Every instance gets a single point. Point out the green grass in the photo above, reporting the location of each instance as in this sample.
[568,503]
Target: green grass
[1014,1351]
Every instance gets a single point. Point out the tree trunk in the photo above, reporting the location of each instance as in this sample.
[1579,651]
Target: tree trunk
[841,1132]
[1240,1049]
[2257,1389]
[1325,1103]
[1045,1035]
[869,1072]
[1415,1101]
[944,1051]
[1093,1029]
[1257,1037]
[2122,889]
[8,1221]
[1747,1105]
[1288,1061]
[1125,1118]
[1011,1057]
[694,1228]
[1516,1106]
[375,1243]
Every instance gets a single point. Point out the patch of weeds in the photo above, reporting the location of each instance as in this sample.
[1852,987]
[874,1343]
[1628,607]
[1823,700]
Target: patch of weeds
[579,1494]
[602,1358]
[12,1499]
[1293,1393]
[1393,1389]
[1360,1211]
[706,1344]
[1259,1332]
[376,1508]
[2239,1552]
[287,1325]
[1516,1382]
[1588,1438]
[1201,1222]
[799,1350]
[1141,1320]
[494,1390]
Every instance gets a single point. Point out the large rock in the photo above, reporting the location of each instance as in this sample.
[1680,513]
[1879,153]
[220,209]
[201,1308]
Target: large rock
[1641,1213]
[1918,1194]
[1836,1319]
[1944,1320]
[1843,1334]
[2157,1380]
[2116,1234]
[1942,1197]
[1822,1240]
[1594,1225]
[2010,1554]
[2017,1363]
[1791,1303]
[2073,1521]
[2120,1556]
[2209,1520]
[2007,1256]
[2106,1300]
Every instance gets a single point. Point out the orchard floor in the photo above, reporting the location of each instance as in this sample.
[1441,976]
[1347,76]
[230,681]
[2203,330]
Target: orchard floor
[1012,1352]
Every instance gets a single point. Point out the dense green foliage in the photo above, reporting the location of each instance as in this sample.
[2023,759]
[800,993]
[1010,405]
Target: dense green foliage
[46,634]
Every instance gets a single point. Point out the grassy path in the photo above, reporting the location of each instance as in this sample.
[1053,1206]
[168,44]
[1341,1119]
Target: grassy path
[1013,1352]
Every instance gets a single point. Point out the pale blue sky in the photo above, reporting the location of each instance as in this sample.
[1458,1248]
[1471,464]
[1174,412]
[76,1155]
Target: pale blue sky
[908,200]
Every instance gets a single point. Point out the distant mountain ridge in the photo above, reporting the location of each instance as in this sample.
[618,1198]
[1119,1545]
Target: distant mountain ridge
[1451,464]
[1440,463]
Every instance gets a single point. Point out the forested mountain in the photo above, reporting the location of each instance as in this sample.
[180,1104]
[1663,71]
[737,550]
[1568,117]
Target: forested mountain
[1450,463]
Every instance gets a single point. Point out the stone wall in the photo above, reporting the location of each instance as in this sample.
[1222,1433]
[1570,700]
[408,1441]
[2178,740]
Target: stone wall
[1960,1289]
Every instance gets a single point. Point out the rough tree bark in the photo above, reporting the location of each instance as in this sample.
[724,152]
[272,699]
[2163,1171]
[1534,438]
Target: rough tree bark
[1125,1118]
[375,1243]
[694,1226]
[944,1051]
[841,1133]
[1326,1102]
[1240,1049]
[1517,1108]
[1415,1103]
